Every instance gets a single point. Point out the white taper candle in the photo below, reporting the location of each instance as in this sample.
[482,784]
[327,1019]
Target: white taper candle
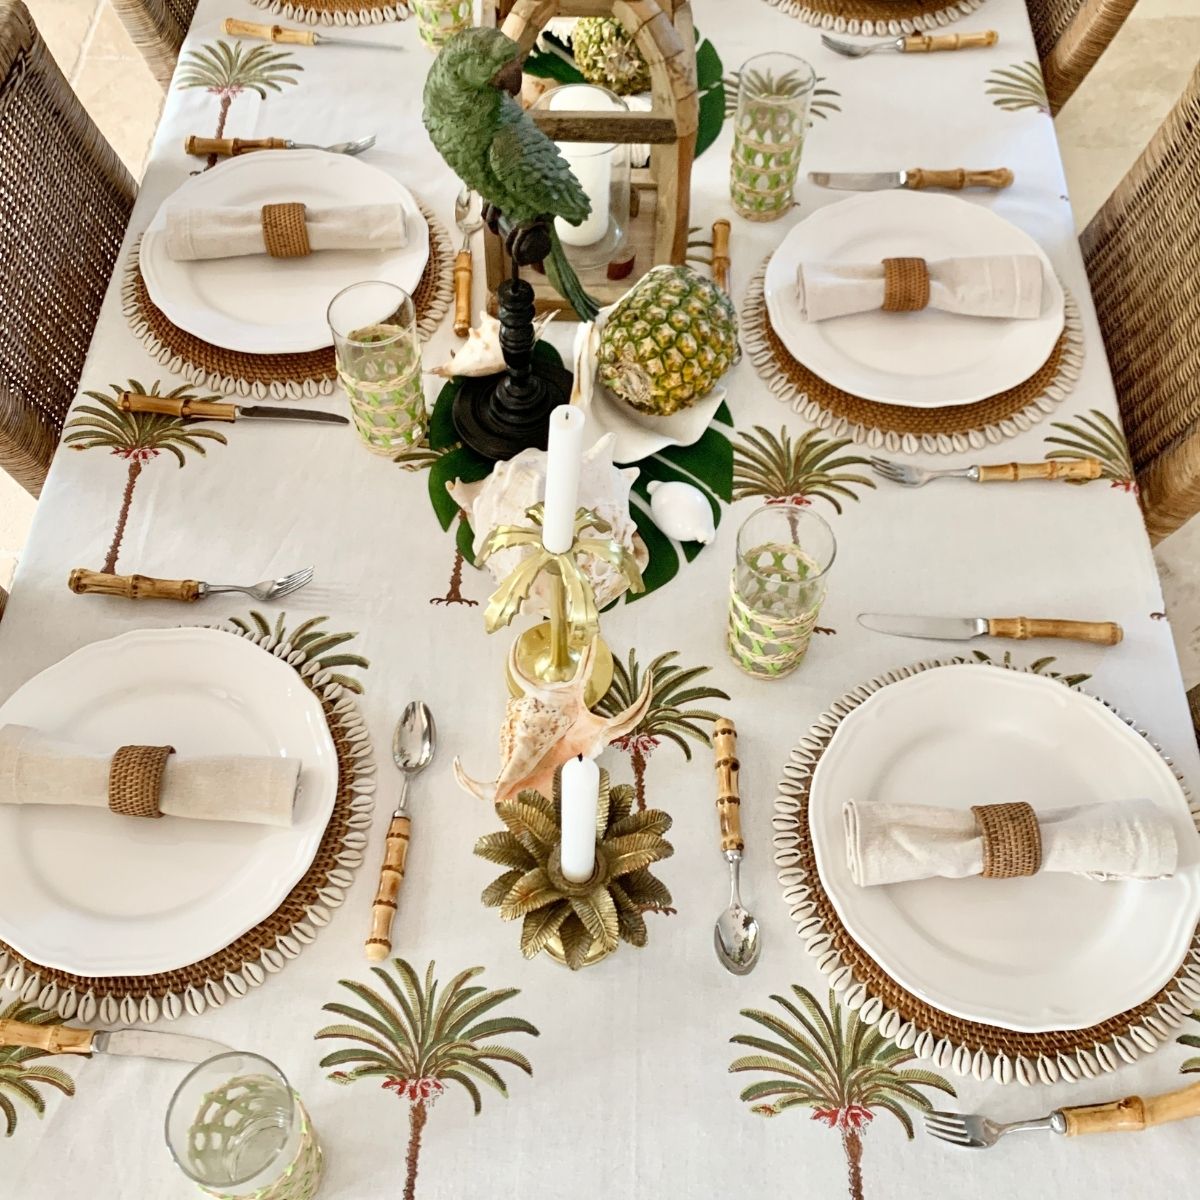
[580,787]
[564,456]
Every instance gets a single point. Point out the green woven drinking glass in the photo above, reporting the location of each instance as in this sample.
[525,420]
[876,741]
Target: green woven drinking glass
[438,20]
[774,93]
[784,553]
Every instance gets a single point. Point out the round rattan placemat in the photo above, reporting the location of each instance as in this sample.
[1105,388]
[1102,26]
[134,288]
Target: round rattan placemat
[877,18]
[336,12]
[966,1047]
[278,376]
[896,427]
[263,950]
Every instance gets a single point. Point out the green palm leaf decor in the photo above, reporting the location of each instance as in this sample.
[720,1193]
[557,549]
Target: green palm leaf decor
[824,99]
[417,1038]
[136,439]
[670,717]
[316,645]
[1096,435]
[1039,666]
[783,471]
[19,1078]
[1017,87]
[228,70]
[1191,1066]
[834,1064]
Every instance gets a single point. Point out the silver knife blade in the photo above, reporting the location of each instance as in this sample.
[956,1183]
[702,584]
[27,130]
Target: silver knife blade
[948,629]
[859,181]
[148,1043]
[264,412]
[323,39]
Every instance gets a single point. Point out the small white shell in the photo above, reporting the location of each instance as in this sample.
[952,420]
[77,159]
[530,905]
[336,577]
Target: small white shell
[681,511]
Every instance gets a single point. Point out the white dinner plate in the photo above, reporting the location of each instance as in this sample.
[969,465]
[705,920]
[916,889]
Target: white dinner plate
[1051,951]
[92,893]
[262,305]
[926,359]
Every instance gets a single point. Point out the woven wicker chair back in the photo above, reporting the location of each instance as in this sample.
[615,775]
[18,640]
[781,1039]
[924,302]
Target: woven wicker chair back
[157,28]
[1070,36]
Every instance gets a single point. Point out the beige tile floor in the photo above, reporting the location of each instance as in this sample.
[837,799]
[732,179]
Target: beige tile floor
[1102,129]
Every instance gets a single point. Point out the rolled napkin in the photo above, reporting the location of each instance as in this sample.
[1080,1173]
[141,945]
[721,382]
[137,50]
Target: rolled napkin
[146,781]
[1120,839]
[282,230]
[987,285]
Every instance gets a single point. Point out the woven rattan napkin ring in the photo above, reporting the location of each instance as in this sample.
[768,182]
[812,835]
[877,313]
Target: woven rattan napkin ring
[905,284]
[135,780]
[1012,841]
[285,230]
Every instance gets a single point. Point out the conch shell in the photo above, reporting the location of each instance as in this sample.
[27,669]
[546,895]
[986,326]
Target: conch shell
[548,725]
[480,354]
[519,483]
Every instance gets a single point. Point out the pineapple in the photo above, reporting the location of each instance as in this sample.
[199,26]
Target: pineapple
[606,55]
[667,341]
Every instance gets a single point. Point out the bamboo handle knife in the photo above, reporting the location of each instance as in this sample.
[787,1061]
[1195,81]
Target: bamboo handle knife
[957,179]
[1073,470]
[729,800]
[132,587]
[1132,1114]
[230,147]
[391,875]
[53,1039]
[171,406]
[721,264]
[1100,633]
[923,43]
[269,33]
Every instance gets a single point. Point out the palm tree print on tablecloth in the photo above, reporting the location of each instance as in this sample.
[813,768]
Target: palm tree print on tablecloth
[1097,436]
[1191,1066]
[1017,87]
[1039,666]
[672,690]
[137,439]
[836,1065]
[417,1041]
[21,1074]
[783,471]
[228,70]
[824,99]
[314,644]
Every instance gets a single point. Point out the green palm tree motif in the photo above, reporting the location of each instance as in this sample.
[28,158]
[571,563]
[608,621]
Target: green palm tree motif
[824,99]
[834,1064]
[787,472]
[137,438]
[315,644]
[1017,87]
[1191,1066]
[17,1078]
[1039,666]
[672,689]
[228,70]
[1097,436]
[417,1042]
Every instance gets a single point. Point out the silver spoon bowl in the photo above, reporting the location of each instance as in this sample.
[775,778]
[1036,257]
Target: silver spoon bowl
[468,214]
[735,934]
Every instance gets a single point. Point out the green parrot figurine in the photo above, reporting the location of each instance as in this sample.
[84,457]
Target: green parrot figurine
[495,148]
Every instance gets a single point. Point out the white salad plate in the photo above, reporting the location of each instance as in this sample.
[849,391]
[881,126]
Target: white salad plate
[1047,952]
[926,359]
[262,305]
[96,894]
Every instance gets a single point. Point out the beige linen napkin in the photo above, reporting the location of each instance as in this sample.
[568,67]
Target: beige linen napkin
[36,769]
[892,843]
[195,233]
[988,285]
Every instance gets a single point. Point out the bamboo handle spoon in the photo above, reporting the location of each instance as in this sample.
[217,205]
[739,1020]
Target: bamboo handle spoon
[736,933]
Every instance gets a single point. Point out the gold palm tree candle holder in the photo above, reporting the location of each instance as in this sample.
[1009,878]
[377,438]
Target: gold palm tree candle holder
[577,923]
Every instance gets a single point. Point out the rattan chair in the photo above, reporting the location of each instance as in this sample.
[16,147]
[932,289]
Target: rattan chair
[1142,252]
[65,201]
[157,28]
[1070,36]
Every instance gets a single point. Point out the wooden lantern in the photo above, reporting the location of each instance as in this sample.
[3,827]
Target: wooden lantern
[660,193]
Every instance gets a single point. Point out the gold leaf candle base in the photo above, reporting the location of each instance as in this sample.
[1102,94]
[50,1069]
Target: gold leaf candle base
[554,948]
[533,651]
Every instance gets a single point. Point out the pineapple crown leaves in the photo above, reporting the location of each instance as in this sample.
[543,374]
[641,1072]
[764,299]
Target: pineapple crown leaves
[19,1077]
[315,644]
[228,69]
[821,1062]
[605,909]
[776,467]
[407,1031]
[106,425]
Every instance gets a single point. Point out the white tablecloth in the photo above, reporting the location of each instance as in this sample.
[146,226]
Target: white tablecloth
[630,1093]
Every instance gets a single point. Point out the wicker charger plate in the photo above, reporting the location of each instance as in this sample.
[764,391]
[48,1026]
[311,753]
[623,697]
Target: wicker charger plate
[966,1047]
[279,376]
[897,428]
[337,12]
[876,17]
[263,950]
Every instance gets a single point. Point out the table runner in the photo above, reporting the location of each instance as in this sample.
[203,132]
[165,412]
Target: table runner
[630,1091]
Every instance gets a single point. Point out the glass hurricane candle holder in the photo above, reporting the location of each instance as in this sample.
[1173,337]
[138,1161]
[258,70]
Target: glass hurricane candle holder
[784,553]
[774,93]
[438,20]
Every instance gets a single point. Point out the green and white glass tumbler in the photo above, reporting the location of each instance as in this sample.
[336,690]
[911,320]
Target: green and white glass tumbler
[379,364]
[774,94]
[438,20]
[235,1127]
[784,553]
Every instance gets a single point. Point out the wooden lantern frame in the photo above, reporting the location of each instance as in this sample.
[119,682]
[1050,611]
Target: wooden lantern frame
[661,193]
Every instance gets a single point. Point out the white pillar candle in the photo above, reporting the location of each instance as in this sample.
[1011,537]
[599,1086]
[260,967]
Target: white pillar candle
[564,456]
[590,161]
[580,785]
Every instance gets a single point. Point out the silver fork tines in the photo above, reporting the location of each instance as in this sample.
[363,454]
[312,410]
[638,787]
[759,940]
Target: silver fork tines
[859,49]
[268,589]
[973,1131]
[910,476]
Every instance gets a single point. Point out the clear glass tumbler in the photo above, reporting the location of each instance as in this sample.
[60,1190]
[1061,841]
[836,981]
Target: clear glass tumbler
[774,93]
[236,1128]
[379,364]
[784,553]
[439,20]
